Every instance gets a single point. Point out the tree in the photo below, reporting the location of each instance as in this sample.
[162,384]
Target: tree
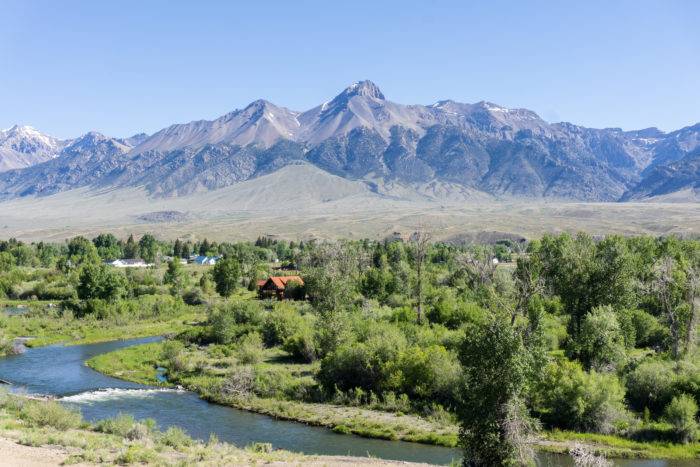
[493,421]
[102,282]
[681,413]
[600,344]
[668,288]
[175,276]
[148,248]
[226,273]
[108,247]
[421,244]
[177,248]
[131,248]
[82,251]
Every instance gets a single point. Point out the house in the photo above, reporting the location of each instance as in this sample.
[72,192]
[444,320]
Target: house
[206,260]
[275,286]
[129,263]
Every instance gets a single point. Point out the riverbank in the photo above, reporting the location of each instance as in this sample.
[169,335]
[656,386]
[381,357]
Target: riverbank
[50,327]
[139,363]
[37,433]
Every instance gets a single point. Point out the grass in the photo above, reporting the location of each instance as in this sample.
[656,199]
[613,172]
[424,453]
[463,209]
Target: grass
[47,329]
[616,446]
[113,441]
[138,363]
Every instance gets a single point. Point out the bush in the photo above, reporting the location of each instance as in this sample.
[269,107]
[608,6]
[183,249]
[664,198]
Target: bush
[681,413]
[651,385]
[122,425]
[571,398]
[281,323]
[453,313]
[176,438]
[648,331]
[302,344]
[430,373]
[231,320]
[50,413]
[250,349]
[363,364]
[601,342]
[193,297]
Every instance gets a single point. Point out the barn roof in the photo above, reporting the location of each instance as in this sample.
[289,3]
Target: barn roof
[281,281]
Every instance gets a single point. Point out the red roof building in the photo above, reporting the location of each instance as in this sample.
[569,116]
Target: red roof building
[276,285]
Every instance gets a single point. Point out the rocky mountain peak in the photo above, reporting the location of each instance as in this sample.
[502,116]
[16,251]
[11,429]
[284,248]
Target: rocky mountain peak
[364,88]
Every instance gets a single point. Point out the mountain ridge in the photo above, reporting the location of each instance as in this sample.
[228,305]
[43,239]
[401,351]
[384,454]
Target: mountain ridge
[359,134]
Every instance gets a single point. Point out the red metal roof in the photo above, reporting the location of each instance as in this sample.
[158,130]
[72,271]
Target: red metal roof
[281,281]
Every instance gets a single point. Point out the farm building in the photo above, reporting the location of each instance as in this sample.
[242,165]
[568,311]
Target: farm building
[129,263]
[206,260]
[275,286]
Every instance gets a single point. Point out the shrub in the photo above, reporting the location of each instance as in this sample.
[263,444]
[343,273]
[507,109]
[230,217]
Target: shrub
[250,349]
[120,425]
[430,373]
[302,344]
[601,342]
[176,438]
[571,398]
[681,413]
[294,290]
[362,364]
[281,323]
[648,331]
[50,413]
[193,297]
[651,385]
[453,313]
[231,320]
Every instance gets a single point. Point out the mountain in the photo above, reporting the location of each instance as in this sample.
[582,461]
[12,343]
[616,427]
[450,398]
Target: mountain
[663,180]
[23,146]
[261,123]
[434,150]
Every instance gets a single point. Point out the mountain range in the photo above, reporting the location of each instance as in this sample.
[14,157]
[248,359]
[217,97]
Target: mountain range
[359,135]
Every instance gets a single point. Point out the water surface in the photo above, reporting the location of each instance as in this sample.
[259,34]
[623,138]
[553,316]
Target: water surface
[61,371]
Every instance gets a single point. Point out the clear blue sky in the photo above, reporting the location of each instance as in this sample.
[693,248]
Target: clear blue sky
[121,67]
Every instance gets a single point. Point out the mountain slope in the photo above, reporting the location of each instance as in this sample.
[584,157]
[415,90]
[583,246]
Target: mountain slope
[23,146]
[361,135]
[663,180]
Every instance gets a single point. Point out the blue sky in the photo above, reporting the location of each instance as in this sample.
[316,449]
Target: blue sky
[121,67]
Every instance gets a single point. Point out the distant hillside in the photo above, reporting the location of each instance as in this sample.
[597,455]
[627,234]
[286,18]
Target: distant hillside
[453,150]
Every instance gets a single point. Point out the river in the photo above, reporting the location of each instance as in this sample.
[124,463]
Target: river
[61,371]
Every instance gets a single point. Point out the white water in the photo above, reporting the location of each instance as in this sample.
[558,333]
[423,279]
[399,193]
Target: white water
[115,393]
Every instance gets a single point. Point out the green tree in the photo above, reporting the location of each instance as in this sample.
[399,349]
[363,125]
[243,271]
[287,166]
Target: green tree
[493,421]
[226,273]
[175,276]
[102,282]
[108,247]
[131,248]
[82,251]
[600,344]
[148,248]
[681,413]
